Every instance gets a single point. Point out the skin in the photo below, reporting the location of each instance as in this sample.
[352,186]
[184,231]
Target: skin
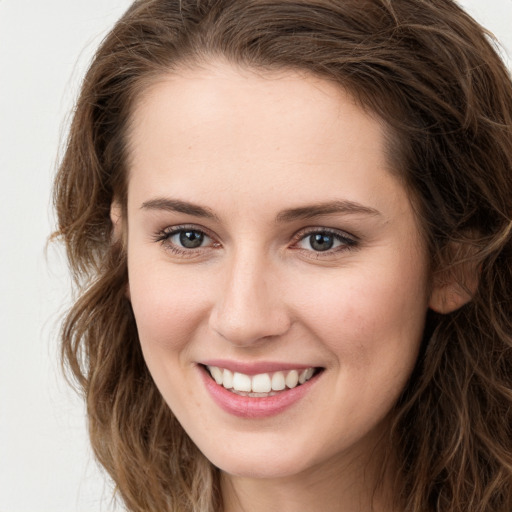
[247,146]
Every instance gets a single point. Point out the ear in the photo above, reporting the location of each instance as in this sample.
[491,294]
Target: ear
[456,285]
[119,231]
[116,217]
[448,298]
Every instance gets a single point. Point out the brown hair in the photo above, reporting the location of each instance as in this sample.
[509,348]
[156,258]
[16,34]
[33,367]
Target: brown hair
[432,75]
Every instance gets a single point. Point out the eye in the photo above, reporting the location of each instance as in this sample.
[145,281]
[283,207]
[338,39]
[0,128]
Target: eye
[325,240]
[188,239]
[184,240]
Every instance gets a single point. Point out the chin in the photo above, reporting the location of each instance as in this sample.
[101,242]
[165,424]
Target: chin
[262,471]
[261,464]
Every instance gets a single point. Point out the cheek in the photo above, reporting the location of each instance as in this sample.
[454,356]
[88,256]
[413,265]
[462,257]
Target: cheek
[372,324]
[169,305]
[169,312]
[369,317]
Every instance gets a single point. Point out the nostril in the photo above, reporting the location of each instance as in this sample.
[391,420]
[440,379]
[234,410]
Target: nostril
[245,333]
[248,310]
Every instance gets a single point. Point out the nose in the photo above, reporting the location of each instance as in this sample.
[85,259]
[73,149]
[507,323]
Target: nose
[249,306]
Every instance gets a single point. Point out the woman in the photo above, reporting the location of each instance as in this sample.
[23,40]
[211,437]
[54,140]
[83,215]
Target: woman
[291,222]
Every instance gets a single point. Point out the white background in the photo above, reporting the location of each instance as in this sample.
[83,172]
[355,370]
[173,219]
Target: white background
[45,45]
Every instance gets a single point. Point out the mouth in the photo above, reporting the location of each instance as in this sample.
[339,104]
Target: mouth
[246,391]
[261,385]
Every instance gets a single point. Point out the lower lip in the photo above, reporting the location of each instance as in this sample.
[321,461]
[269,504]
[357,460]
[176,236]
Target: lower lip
[254,407]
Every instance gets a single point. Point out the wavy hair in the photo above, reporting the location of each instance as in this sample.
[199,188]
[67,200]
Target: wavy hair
[434,78]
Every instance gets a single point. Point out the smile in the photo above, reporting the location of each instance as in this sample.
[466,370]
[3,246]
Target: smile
[258,394]
[262,384]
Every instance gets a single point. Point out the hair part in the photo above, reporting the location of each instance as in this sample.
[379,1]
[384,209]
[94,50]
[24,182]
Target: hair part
[432,75]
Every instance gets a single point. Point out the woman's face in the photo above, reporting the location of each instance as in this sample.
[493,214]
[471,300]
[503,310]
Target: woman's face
[269,240]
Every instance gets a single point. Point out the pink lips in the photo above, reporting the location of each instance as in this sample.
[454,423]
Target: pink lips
[252,407]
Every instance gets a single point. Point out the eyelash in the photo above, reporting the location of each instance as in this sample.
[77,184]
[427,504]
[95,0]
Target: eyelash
[347,242]
[163,237]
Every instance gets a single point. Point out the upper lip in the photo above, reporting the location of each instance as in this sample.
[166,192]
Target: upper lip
[256,367]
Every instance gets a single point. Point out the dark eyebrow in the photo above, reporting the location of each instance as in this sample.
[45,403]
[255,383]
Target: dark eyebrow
[176,205]
[317,210]
[302,212]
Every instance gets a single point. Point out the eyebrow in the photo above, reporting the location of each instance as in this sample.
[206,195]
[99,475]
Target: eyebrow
[329,208]
[289,215]
[175,205]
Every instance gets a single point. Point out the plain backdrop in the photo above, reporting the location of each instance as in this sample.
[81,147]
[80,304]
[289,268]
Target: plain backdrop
[45,46]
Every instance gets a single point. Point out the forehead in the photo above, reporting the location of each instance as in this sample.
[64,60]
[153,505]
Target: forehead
[225,131]
[222,117]
[232,96]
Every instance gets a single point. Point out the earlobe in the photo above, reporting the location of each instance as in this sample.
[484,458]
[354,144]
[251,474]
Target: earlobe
[455,287]
[448,298]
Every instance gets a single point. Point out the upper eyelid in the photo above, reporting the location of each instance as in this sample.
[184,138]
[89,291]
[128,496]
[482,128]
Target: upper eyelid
[318,229]
[171,230]
[303,231]
[163,235]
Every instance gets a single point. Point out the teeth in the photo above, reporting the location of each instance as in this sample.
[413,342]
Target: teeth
[217,374]
[242,382]
[263,383]
[227,379]
[278,381]
[292,379]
